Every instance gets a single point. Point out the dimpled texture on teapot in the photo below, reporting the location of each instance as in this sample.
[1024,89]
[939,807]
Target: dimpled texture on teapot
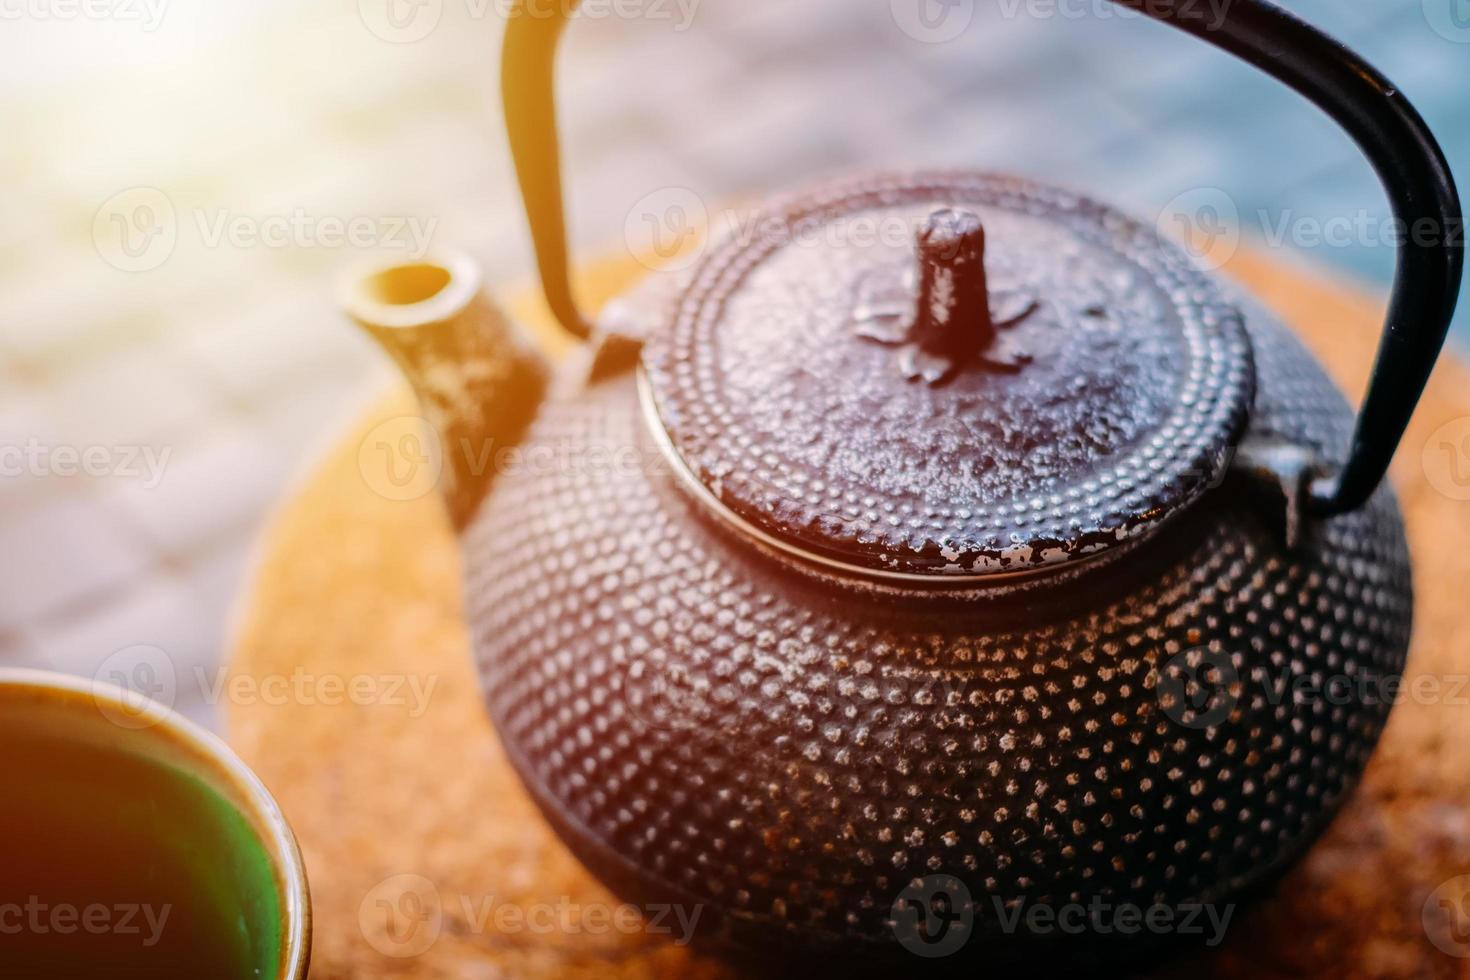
[1137,378]
[711,726]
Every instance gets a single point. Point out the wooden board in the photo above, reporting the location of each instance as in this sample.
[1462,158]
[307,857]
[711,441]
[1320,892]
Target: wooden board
[417,835]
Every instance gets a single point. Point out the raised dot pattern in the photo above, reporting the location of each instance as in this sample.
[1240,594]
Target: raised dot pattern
[1140,378]
[793,753]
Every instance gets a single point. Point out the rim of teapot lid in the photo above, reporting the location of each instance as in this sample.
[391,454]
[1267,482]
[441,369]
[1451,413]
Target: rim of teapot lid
[949,374]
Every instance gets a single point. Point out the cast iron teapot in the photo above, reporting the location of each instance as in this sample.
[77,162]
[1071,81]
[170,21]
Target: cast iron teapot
[862,592]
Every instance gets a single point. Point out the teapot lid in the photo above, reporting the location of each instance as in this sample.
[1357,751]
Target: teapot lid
[948,374]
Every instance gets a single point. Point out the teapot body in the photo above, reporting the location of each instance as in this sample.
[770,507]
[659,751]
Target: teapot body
[810,757]
[993,590]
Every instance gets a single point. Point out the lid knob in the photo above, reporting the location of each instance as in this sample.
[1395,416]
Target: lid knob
[951,324]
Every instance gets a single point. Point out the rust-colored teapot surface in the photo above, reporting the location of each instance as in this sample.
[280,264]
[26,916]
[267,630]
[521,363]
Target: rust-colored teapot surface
[872,592]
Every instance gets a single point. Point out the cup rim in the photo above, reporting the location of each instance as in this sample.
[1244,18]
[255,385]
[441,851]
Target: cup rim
[254,800]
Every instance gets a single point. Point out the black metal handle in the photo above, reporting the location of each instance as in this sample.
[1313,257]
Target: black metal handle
[1420,189]
[1373,112]
[528,92]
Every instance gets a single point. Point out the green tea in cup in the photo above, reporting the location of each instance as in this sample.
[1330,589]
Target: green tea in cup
[135,844]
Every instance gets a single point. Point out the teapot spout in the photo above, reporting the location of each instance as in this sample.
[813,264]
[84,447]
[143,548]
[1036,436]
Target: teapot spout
[478,379]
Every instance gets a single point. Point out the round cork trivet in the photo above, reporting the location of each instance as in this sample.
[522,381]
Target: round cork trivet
[427,859]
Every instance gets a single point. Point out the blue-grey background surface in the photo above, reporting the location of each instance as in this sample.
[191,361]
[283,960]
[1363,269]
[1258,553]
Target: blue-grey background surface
[229,354]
